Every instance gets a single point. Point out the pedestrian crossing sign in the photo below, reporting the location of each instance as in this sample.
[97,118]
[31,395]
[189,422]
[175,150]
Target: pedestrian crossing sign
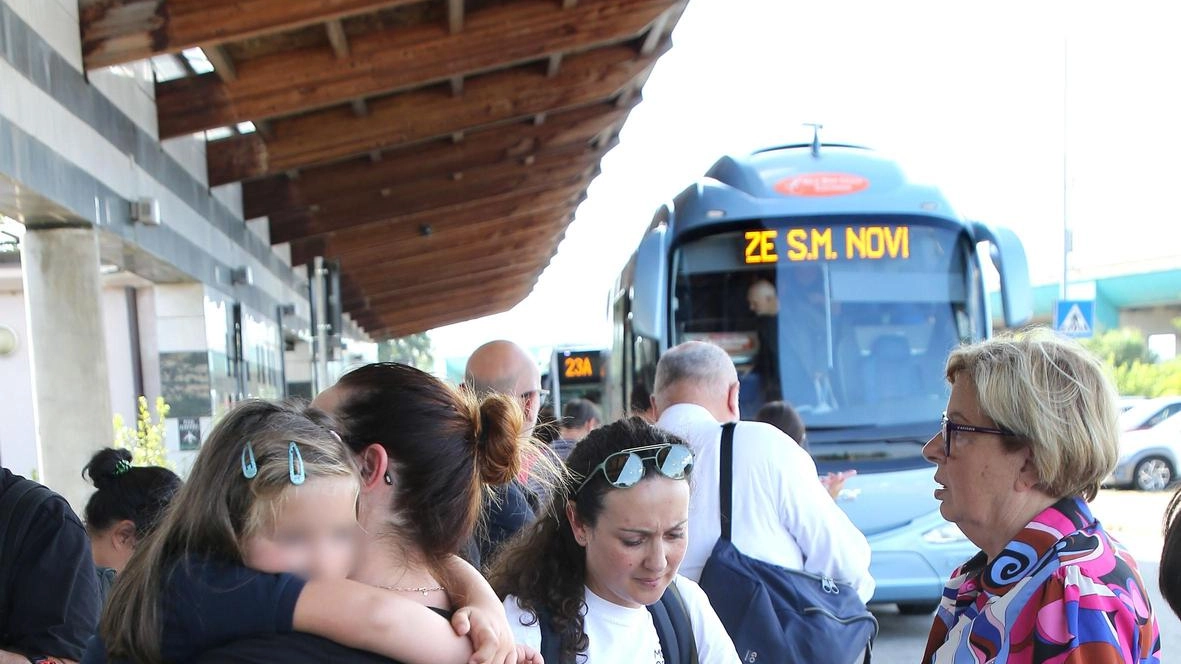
[1075,318]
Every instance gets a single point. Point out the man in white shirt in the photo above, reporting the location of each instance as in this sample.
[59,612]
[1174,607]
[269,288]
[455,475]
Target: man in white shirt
[781,512]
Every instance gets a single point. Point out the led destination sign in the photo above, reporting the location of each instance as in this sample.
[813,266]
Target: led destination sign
[827,243]
[581,366]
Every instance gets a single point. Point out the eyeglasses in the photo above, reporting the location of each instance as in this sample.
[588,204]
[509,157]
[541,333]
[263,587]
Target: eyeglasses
[542,395]
[625,468]
[948,427]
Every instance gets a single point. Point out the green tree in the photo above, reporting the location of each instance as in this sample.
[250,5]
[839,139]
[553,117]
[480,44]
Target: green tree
[1121,347]
[414,350]
[146,439]
[1134,367]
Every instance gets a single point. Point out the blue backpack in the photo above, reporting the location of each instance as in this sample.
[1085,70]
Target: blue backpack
[672,626]
[775,614]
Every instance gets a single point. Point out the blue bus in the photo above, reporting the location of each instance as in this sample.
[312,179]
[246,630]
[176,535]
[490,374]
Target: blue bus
[839,285]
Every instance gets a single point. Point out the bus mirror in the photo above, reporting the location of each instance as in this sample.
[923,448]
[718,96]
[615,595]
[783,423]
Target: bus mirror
[649,285]
[1008,256]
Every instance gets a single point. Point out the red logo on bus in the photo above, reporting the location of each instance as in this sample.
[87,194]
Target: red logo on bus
[821,184]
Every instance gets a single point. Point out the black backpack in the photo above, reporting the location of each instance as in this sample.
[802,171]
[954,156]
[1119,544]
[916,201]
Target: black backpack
[672,626]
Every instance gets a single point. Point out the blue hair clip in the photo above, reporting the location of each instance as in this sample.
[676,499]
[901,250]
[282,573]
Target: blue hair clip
[249,465]
[295,464]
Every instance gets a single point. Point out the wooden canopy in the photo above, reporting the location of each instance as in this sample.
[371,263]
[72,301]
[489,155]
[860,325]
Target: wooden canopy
[436,148]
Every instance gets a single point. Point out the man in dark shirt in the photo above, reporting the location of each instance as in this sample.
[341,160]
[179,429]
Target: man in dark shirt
[504,367]
[49,594]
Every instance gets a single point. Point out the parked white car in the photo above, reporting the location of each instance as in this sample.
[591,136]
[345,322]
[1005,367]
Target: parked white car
[1147,413]
[1149,457]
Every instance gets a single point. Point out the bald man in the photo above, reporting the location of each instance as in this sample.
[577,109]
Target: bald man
[781,513]
[504,367]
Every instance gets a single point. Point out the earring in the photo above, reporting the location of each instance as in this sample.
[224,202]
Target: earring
[389,480]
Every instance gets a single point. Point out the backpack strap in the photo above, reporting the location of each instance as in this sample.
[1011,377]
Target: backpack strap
[669,616]
[682,626]
[551,641]
[725,477]
[669,643]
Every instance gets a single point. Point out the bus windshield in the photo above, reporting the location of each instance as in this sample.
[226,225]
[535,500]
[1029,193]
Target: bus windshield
[849,319]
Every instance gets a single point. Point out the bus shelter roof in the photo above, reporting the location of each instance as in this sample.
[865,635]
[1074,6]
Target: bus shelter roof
[436,148]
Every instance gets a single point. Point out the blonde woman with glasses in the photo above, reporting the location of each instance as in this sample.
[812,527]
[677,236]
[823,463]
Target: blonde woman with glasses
[1029,433]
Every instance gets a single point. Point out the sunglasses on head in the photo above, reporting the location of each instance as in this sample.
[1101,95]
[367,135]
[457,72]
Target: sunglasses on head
[625,468]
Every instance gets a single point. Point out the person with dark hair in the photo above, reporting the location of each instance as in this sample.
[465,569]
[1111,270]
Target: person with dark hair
[126,506]
[784,417]
[1170,557]
[576,586]
[48,586]
[641,403]
[579,417]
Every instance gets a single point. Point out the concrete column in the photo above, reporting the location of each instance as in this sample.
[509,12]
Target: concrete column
[71,395]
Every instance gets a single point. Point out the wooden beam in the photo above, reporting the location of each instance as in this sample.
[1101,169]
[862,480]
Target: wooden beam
[457,285]
[223,64]
[655,33]
[337,38]
[516,248]
[118,31]
[517,232]
[439,270]
[468,313]
[405,327]
[495,295]
[389,319]
[373,240]
[455,16]
[382,62]
[357,210]
[418,116]
[437,159]
[286,201]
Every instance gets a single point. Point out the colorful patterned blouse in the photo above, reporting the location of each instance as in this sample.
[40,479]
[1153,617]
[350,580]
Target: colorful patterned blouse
[1062,591]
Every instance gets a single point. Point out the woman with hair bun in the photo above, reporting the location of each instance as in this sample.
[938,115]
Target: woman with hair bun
[426,451]
[126,506]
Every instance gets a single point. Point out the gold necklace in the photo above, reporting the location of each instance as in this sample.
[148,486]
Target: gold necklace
[424,590]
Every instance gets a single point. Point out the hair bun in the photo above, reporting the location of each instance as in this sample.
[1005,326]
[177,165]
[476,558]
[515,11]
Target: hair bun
[106,466]
[496,430]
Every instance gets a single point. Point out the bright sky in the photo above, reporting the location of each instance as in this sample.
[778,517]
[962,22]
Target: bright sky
[968,98]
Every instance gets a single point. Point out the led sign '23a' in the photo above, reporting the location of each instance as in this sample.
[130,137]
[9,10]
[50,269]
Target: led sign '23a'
[815,244]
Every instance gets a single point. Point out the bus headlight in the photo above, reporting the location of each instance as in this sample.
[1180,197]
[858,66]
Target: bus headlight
[948,533]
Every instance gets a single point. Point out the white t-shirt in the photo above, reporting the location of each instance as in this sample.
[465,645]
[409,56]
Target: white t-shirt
[623,635]
[782,514]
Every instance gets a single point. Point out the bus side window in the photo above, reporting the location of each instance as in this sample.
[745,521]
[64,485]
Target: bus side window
[644,369]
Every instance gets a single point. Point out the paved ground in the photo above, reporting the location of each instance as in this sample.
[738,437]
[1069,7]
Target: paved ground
[1132,517]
